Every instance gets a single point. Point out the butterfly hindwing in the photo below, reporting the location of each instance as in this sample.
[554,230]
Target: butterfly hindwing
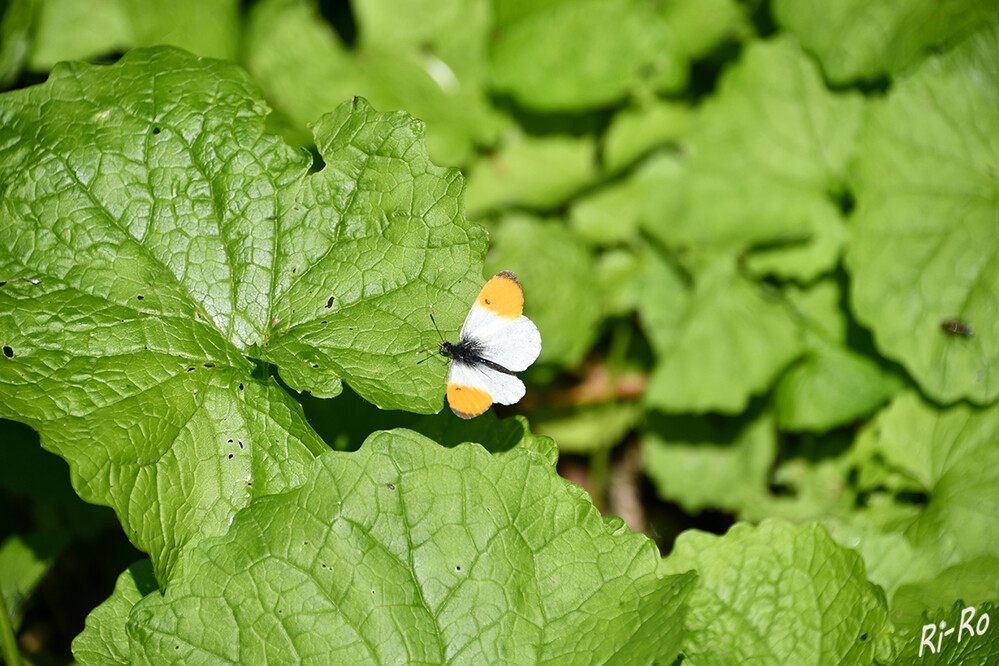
[472,389]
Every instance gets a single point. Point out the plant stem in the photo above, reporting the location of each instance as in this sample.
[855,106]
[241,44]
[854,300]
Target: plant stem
[7,638]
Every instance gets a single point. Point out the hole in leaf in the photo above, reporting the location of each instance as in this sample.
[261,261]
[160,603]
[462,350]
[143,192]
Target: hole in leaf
[231,455]
[329,303]
[8,351]
[156,130]
[140,297]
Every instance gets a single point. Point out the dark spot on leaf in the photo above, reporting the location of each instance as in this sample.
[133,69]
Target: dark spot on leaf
[458,568]
[324,321]
[863,637]
[355,101]
[8,352]
[390,486]
[156,130]
[2,282]
[230,441]
[249,483]
[293,270]
[305,543]
[315,365]
[271,217]
[329,303]
[140,297]
[190,370]
[240,443]
[241,386]
[208,365]
[230,456]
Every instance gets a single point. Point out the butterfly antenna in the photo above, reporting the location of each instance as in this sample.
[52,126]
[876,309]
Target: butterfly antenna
[433,319]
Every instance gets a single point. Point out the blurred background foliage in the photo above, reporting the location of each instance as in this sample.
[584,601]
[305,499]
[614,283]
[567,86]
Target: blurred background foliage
[742,228]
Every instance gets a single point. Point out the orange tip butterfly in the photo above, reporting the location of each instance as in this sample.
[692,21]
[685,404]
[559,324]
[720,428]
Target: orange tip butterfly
[496,341]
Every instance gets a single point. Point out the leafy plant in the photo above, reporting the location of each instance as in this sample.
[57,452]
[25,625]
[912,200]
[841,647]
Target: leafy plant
[762,263]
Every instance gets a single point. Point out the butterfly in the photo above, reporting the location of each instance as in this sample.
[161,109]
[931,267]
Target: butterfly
[496,341]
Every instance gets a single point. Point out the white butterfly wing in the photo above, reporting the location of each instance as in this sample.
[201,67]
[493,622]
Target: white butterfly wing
[512,343]
[505,389]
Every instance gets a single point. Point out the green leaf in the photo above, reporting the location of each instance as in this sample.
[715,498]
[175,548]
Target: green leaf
[953,455]
[536,172]
[615,213]
[433,72]
[699,26]
[926,187]
[833,385]
[973,582]
[86,29]
[407,552]
[639,130]
[104,639]
[768,157]
[702,462]
[17,21]
[865,39]
[24,560]
[589,428]
[154,238]
[934,648]
[556,271]
[616,46]
[779,594]
[716,344]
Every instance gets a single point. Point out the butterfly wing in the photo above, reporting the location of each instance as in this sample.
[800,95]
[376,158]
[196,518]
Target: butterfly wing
[472,389]
[498,327]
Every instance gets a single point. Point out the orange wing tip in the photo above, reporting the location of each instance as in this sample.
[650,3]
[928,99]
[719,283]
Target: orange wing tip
[503,296]
[468,401]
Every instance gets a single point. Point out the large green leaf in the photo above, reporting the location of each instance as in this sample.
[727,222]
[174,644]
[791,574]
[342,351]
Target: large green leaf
[556,271]
[84,29]
[407,552]
[539,172]
[925,237]
[704,462]
[103,639]
[953,457]
[832,385]
[430,70]
[615,46]
[950,637]
[779,594]
[864,39]
[767,162]
[973,582]
[154,239]
[718,343]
